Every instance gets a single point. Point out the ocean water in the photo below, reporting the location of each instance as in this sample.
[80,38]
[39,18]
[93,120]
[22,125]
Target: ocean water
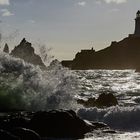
[124,118]
[24,86]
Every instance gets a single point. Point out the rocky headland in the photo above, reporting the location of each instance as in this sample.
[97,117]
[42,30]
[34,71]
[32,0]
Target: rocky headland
[124,54]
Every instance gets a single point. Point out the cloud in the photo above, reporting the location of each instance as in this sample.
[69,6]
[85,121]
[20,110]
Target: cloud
[31,21]
[116,1]
[98,2]
[6,13]
[114,10]
[4,2]
[82,3]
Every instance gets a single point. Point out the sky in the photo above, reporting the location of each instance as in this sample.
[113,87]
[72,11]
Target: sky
[67,26]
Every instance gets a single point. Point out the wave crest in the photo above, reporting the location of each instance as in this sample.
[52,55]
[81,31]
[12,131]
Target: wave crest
[121,118]
[24,86]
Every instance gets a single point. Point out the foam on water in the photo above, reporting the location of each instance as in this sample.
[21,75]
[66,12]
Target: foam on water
[120,118]
[122,136]
[124,84]
[100,136]
[24,86]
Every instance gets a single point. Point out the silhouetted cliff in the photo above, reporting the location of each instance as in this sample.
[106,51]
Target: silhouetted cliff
[26,52]
[124,54]
[119,55]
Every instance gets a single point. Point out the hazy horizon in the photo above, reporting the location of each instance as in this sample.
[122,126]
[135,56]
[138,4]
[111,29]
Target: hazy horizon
[67,26]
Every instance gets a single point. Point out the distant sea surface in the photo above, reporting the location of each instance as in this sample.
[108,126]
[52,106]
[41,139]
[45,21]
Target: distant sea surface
[124,118]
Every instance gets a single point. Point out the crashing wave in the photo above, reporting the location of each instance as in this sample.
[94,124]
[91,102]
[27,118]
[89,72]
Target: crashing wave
[24,86]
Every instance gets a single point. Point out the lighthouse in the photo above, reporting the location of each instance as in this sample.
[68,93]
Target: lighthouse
[137,24]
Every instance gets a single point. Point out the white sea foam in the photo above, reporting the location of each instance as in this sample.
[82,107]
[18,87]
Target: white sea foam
[124,84]
[121,118]
[25,86]
[122,136]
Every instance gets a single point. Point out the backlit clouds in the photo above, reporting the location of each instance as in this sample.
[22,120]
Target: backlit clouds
[31,21]
[116,1]
[82,3]
[4,2]
[6,13]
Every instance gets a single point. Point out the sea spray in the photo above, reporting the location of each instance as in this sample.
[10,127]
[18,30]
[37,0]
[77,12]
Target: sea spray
[24,86]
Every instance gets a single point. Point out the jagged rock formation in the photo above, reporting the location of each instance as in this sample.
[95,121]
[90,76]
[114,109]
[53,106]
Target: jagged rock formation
[6,48]
[26,52]
[124,54]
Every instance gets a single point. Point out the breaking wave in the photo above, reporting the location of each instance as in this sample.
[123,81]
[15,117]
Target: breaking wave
[27,87]
[121,118]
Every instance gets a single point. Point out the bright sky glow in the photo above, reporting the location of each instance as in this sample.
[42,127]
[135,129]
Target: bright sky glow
[67,26]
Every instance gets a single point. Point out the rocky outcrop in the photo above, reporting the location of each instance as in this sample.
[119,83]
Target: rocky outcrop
[55,123]
[60,124]
[5,135]
[26,52]
[51,124]
[6,48]
[19,134]
[124,54]
[104,100]
[25,134]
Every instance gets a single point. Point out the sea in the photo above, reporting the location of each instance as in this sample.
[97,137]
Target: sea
[27,87]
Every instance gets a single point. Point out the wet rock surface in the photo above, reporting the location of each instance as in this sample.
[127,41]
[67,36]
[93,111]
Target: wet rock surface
[104,100]
[25,134]
[5,135]
[59,124]
[55,123]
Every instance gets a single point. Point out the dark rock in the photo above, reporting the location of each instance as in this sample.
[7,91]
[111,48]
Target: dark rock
[81,101]
[59,124]
[6,48]
[4,135]
[109,131]
[106,100]
[19,122]
[103,100]
[26,52]
[67,63]
[55,123]
[25,134]
[12,121]
[137,69]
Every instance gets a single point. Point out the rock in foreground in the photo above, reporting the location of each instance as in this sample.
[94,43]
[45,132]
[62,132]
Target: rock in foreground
[56,124]
[61,124]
